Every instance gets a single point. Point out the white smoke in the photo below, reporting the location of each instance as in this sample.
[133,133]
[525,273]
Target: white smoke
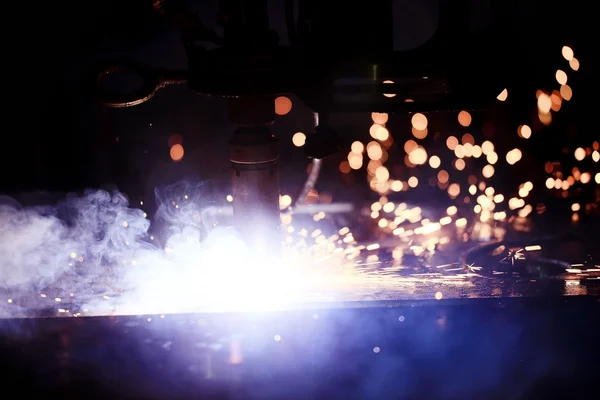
[94,255]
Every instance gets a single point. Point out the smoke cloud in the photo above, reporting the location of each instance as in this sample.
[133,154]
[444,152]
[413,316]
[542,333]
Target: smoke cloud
[94,254]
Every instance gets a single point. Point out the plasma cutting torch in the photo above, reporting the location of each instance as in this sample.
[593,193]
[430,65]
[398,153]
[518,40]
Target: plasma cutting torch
[249,67]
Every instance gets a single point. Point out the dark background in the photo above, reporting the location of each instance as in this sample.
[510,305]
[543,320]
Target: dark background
[57,138]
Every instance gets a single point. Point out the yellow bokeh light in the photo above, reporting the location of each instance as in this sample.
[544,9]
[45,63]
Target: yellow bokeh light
[487,147]
[382,134]
[585,177]
[382,174]
[299,139]
[419,121]
[579,154]
[524,131]
[544,103]
[488,171]
[285,201]
[357,147]
[567,53]
[492,157]
[503,95]
[513,156]
[396,186]
[355,160]
[434,162]
[418,156]
[374,151]
[561,77]
[379,118]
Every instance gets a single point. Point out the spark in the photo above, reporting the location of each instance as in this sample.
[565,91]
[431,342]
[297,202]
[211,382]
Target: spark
[513,256]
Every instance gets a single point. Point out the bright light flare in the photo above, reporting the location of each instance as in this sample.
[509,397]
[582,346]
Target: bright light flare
[222,274]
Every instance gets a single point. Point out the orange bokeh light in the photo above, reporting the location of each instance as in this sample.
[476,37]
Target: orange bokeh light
[176,152]
[283,105]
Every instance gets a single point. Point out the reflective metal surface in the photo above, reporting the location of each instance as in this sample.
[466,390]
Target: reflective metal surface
[524,348]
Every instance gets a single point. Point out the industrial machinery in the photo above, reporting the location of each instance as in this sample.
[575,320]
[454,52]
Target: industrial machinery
[250,67]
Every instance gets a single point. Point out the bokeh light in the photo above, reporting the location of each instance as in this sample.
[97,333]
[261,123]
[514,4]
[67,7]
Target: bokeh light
[283,105]
[176,152]
[299,139]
